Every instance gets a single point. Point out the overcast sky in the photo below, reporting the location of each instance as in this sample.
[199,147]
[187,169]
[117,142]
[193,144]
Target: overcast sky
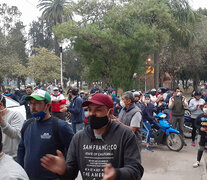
[30,11]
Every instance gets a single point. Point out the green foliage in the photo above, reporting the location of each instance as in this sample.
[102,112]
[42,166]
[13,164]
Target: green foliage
[13,56]
[44,66]
[52,10]
[114,38]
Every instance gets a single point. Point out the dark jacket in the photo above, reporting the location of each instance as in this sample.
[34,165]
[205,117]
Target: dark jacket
[116,109]
[26,104]
[76,110]
[178,108]
[147,112]
[38,141]
[201,121]
[118,146]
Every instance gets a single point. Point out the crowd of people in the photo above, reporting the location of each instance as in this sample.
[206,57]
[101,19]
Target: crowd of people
[102,137]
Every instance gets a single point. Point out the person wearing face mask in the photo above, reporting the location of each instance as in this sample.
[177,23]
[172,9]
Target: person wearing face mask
[42,135]
[148,120]
[76,111]
[137,99]
[104,150]
[131,116]
[201,125]
[10,123]
[195,107]
[161,105]
[57,101]
[177,104]
[116,102]
[153,96]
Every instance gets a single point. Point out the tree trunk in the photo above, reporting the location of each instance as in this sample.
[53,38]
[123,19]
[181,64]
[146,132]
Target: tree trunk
[196,82]
[156,68]
[81,84]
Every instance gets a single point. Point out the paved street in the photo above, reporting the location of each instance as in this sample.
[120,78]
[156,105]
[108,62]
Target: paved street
[163,164]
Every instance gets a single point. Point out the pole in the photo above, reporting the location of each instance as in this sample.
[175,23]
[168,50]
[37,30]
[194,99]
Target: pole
[61,66]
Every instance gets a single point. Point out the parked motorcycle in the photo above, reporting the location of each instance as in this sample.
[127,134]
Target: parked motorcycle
[187,129]
[165,135]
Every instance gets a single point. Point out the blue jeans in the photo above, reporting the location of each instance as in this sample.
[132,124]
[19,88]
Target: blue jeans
[77,127]
[147,126]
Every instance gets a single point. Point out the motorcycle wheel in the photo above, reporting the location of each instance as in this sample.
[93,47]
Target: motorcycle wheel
[187,130]
[174,142]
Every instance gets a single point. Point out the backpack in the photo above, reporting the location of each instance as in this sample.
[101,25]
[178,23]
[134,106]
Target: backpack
[55,131]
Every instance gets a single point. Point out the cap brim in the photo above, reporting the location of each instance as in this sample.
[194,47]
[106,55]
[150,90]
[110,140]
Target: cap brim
[38,98]
[86,103]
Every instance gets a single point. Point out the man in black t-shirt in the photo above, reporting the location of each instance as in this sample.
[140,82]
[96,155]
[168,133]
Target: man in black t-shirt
[201,125]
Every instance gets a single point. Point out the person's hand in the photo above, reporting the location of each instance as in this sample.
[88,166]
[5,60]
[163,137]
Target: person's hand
[63,108]
[109,172]
[56,164]
[203,129]
[183,99]
[172,99]
[115,118]
[117,105]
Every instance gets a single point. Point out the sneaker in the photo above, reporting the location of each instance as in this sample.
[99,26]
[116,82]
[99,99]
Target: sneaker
[149,149]
[193,144]
[196,164]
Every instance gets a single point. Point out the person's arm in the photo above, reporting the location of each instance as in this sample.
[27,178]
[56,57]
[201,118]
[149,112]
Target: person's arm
[77,107]
[66,134]
[185,104]
[62,100]
[132,168]
[21,153]
[171,103]
[136,121]
[13,129]
[67,170]
[22,100]
[192,107]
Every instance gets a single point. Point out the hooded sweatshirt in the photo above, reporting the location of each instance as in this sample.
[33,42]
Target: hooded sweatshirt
[88,154]
[196,111]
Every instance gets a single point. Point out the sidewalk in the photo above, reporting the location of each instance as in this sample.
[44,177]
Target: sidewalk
[204,176]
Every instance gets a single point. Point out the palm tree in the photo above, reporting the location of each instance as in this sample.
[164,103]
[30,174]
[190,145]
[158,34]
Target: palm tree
[53,13]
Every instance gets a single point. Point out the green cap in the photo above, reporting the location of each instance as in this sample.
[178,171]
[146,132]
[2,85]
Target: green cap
[39,95]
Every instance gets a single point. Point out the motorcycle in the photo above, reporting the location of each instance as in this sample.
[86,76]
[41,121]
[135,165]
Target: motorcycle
[187,129]
[165,135]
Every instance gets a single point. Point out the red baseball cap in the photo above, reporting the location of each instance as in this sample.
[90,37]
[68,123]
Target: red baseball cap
[100,99]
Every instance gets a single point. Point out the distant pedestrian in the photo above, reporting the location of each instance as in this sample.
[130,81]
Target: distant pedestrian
[58,100]
[8,93]
[178,104]
[195,107]
[22,101]
[76,110]
[201,125]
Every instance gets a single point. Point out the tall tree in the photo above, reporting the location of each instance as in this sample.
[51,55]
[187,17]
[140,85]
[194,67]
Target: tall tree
[9,16]
[40,35]
[53,11]
[44,66]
